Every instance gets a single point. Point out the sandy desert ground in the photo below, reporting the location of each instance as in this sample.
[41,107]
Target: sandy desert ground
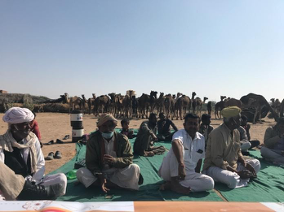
[56,125]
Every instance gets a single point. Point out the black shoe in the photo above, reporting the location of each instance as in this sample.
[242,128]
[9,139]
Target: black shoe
[39,192]
[59,141]
[50,142]
[50,156]
[58,155]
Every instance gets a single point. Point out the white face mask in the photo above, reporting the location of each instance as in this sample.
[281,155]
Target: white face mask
[107,135]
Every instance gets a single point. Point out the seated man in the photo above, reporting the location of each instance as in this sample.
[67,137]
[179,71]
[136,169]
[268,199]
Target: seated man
[245,144]
[273,149]
[246,126]
[20,150]
[144,143]
[164,125]
[125,129]
[109,159]
[181,166]
[224,161]
[205,127]
[15,187]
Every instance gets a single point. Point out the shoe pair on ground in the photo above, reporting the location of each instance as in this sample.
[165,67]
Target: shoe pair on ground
[58,141]
[31,191]
[52,156]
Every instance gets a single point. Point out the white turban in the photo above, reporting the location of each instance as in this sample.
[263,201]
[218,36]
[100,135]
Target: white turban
[16,115]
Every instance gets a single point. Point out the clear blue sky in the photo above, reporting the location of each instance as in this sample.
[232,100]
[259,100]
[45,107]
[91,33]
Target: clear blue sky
[220,47]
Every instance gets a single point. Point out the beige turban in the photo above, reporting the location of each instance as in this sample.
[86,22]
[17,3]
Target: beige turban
[16,115]
[231,111]
[104,118]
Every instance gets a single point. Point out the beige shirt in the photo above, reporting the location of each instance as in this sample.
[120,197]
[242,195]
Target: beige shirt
[223,148]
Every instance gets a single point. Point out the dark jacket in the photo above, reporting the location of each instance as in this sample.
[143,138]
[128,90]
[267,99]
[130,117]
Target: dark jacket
[95,148]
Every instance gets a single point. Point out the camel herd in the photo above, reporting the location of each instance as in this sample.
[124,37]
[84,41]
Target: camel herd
[174,106]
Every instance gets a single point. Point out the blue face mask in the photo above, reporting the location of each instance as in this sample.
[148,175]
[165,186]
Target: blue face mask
[107,135]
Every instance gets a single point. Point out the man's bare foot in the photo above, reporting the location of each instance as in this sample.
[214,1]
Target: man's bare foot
[177,187]
[165,186]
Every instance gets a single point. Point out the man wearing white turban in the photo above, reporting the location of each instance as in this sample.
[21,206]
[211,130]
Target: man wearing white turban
[20,150]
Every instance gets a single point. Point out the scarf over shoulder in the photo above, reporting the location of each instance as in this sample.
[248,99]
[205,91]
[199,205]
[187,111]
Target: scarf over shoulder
[7,142]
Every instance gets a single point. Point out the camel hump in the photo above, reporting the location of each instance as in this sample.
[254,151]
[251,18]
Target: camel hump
[130,93]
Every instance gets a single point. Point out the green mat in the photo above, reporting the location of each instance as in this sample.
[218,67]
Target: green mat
[267,187]
[148,191]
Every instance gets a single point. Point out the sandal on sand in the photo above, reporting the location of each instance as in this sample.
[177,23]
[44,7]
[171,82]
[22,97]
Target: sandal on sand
[58,155]
[66,137]
[50,142]
[50,156]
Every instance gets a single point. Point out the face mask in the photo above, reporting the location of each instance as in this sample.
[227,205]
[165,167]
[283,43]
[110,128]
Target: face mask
[107,135]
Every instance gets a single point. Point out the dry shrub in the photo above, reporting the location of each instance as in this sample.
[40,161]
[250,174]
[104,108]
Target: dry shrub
[56,107]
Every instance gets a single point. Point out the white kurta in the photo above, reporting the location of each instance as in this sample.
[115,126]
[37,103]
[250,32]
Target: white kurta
[193,151]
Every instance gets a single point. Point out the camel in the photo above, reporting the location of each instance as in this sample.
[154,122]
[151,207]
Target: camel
[175,108]
[182,104]
[127,103]
[101,104]
[118,104]
[112,104]
[259,105]
[143,105]
[73,102]
[282,108]
[209,107]
[83,102]
[160,103]
[219,106]
[169,106]
[153,98]
[194,102]
[199,104]
[233,102]
[91,102]
[134,106]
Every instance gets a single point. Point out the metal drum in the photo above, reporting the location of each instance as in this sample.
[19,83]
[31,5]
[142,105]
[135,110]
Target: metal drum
[76,118]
